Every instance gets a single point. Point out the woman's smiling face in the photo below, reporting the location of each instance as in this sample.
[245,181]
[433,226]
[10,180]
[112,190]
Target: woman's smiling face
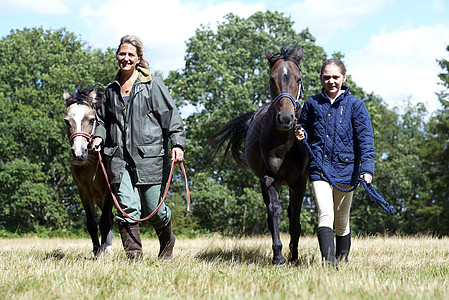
[127,57]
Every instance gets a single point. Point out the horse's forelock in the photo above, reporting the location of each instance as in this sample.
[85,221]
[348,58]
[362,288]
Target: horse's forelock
[287,52]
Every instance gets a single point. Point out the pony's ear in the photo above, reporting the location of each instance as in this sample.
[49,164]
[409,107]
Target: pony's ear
[66,96]
[298,55]
[91,98]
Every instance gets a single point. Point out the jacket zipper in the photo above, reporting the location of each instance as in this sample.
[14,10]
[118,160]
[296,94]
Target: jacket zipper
[341,112]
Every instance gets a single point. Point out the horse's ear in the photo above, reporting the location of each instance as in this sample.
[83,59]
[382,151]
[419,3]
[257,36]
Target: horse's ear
[66,96]
[268,55]
[299,53]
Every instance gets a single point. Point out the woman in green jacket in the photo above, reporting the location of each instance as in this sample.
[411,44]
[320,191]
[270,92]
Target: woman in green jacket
[136,122]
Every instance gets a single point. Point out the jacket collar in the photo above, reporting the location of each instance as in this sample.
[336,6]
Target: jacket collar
[342,96]
[144,75]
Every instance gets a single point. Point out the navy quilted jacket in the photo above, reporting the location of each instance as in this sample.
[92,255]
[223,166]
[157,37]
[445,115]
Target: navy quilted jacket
[340,135]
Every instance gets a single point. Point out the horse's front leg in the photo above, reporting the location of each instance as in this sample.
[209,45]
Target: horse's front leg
[294,212]
[270,192]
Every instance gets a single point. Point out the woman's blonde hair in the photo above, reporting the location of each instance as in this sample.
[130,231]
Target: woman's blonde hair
[136,42]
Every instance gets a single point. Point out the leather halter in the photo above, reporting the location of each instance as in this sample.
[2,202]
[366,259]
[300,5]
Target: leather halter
[84,134]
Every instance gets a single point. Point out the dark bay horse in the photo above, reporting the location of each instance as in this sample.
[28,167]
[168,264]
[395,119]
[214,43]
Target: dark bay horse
[270,148]
[80,119]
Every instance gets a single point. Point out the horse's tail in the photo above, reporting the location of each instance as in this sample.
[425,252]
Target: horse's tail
[233,135]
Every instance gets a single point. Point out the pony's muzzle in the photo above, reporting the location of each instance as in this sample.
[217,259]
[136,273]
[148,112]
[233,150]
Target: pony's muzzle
[79,155]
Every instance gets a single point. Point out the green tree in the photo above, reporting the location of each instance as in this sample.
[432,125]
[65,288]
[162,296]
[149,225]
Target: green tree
[398,170]
[432,208]
[36,187]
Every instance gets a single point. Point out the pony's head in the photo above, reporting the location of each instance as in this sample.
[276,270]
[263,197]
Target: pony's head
[286,84]
[80,120]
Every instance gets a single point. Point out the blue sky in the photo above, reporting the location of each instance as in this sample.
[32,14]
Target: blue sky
[390,46]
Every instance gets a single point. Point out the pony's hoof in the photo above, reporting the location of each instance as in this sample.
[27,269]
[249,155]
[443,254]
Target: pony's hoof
[104,250]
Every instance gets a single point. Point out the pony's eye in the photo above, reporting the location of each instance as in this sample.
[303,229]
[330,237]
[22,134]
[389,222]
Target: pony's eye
[299,80]
[92,121]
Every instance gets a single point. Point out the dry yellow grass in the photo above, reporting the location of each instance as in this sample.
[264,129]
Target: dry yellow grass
[224,268]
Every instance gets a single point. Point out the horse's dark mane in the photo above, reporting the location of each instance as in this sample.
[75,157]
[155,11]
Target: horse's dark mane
[80,97]
[287,52]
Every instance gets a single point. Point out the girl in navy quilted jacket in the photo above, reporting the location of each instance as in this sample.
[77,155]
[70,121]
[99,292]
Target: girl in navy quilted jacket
[340,135]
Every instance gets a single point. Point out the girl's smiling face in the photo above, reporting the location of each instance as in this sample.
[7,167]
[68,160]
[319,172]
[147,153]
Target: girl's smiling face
[332,79]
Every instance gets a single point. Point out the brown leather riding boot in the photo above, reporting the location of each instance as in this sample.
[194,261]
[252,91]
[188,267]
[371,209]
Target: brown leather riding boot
[132,244]
[166,241]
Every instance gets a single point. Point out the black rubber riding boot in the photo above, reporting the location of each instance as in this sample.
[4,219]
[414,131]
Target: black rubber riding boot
[327,248]
[343,245]
[132,244]
[166,241]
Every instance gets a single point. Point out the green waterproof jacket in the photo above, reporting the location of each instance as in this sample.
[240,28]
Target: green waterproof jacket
[136,134]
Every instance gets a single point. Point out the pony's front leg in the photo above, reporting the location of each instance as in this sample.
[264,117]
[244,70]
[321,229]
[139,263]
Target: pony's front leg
[105,224]
[270,192]
[91,223]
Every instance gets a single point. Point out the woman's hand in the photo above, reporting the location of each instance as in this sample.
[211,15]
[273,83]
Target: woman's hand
[96,143]
[299,133]
[367,177]
[177,154]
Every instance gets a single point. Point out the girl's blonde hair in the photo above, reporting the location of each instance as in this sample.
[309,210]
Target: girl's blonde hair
[336,62]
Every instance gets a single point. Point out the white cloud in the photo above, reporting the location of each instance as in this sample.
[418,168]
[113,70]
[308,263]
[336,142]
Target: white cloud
[401,64]
[44,7]
[439,5]
[327,19]
[163,26]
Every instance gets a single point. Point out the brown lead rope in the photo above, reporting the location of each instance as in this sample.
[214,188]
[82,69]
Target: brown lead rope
[163,197]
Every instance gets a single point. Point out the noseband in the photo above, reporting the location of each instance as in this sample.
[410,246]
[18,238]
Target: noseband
[293,100]
[84,134]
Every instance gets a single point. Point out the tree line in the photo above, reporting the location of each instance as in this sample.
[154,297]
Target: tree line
[225,75]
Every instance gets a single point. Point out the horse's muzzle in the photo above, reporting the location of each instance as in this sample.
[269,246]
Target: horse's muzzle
[285,121]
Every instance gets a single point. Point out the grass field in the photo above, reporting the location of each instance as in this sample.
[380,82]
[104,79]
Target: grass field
[224,268]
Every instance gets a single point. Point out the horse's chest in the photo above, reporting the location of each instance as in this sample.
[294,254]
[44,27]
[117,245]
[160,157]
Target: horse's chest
[275,158]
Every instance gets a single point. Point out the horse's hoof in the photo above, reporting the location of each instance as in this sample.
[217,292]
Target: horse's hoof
[293,261]
[279,261]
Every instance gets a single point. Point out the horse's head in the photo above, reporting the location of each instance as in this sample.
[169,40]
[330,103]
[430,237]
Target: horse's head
[80,120]
[285,84]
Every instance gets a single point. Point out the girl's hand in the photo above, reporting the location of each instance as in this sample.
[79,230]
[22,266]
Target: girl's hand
[299,133]
[368,178]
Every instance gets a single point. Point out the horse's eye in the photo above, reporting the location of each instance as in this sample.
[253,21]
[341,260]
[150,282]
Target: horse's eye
[92,121]
[67,121]
[299,80]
